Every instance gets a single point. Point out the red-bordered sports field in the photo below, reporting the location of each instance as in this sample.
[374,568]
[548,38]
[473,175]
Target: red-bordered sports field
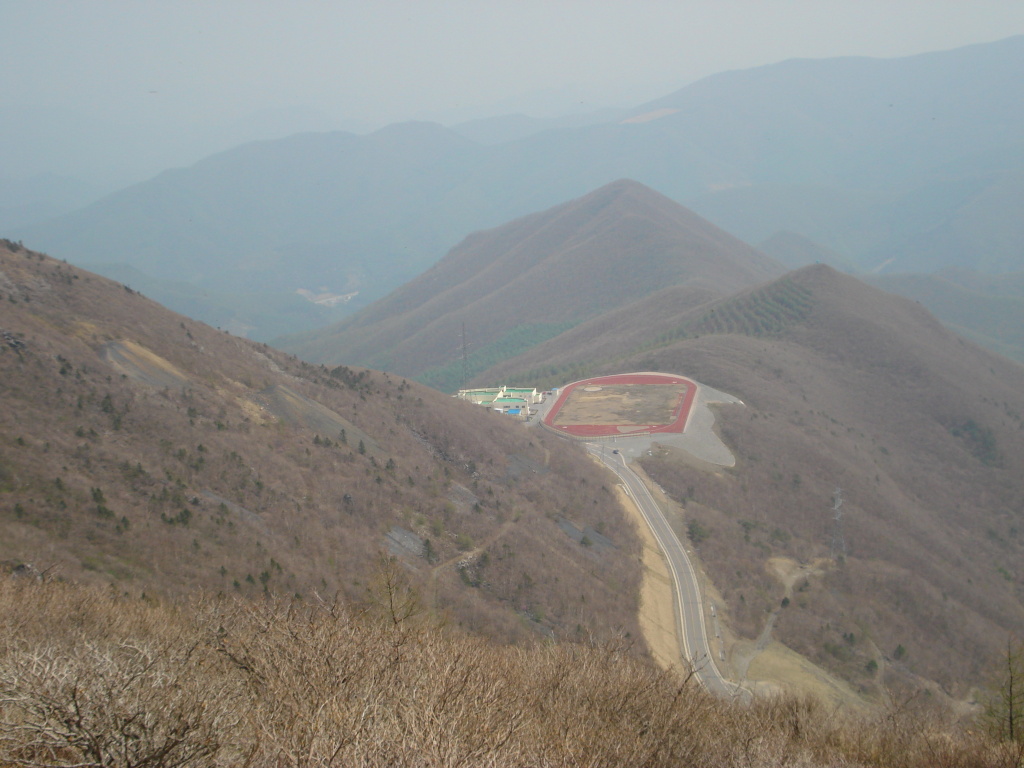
[622,405]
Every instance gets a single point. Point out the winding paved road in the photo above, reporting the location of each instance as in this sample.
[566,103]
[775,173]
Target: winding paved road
[689,611]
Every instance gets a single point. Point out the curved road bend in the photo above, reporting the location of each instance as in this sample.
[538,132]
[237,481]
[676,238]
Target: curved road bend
[689,607]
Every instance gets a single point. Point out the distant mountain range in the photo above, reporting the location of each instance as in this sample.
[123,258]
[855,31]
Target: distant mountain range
[148,450]
[910,164]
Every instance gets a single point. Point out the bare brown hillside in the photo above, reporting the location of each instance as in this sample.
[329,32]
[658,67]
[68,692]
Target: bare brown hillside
[142,449]
[845,386]
[533,278]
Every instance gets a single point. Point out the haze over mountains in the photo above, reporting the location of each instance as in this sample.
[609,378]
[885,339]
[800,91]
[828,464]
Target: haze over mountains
[986,308]
[150,450]
[904,165]
[533,278]
[56,160]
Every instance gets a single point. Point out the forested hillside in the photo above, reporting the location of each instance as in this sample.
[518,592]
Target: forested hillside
[845,386]
[512,287]
[142,449]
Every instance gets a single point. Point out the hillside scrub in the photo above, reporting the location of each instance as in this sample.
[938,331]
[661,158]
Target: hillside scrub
[573,261]
[91,678]
[931,529]
[848,387]
[142,449]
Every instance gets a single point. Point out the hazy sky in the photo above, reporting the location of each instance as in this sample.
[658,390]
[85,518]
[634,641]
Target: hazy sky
[363,64]
[388,61]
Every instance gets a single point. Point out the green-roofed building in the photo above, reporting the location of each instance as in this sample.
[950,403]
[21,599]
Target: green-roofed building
[529,395]
[515,401]
[481,396]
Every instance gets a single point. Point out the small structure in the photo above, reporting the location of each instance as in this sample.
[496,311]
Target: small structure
[481,396]
[507,403]
[531,395]
[512,401]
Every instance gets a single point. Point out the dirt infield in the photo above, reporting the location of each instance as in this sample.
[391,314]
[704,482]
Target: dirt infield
[624,404]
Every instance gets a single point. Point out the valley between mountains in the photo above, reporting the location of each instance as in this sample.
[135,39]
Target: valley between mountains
[153,452]
[844,387]
[685,433]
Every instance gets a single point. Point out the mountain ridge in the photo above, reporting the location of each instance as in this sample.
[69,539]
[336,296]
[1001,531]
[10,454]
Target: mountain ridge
[141,449]
[611,246]
[856,163]
[844,386]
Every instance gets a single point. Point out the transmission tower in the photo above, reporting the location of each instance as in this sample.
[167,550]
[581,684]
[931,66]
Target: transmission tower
[838,542]
[465,364]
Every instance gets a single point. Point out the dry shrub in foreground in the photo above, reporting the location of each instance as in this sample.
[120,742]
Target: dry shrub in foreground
[91,679]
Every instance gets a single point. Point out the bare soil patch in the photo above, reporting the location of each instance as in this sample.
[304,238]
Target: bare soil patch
[778,669]
[143,365]
[657,614]
[293,408]
[621,404]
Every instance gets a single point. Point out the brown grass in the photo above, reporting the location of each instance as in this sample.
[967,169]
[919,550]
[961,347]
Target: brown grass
[241,481]
[88,678]
[628,404]
[855,388]
[657,600]
[573,261]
